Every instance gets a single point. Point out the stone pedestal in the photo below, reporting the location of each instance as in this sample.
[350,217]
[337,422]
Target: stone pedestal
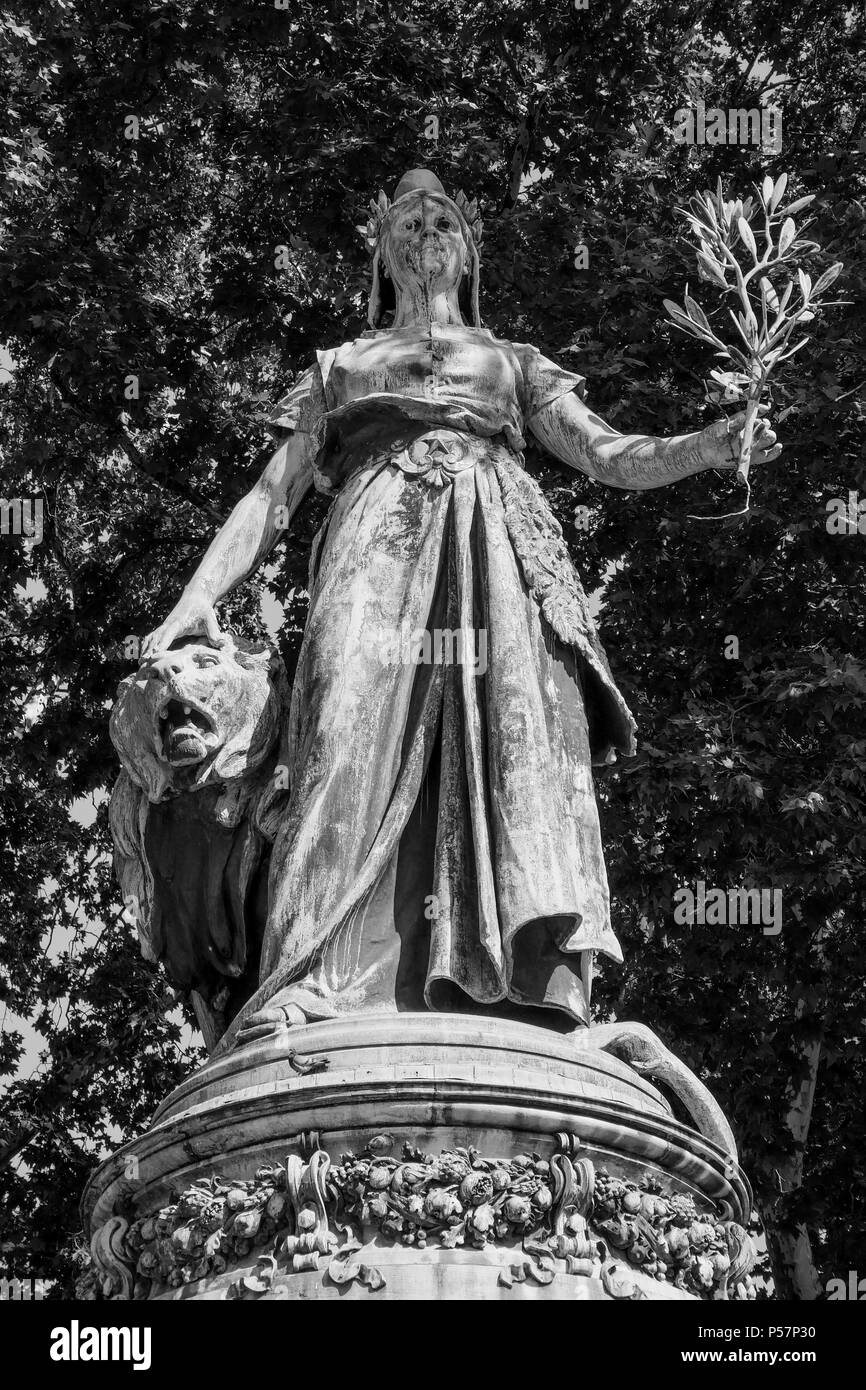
[420,1156]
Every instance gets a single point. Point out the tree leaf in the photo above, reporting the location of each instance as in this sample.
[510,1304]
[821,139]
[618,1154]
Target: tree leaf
[799,204]
[769,294]
[825,280]
[778,191]
[696,313]
[747,236]
[712,270]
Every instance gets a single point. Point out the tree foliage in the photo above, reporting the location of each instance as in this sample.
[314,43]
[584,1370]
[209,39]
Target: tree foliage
[155,158]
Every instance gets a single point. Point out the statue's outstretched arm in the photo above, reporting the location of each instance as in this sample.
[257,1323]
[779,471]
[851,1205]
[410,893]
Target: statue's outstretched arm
[240,545]
[570,431]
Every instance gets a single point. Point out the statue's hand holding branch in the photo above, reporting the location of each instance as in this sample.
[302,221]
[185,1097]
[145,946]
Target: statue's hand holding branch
[720,442]
[570,431]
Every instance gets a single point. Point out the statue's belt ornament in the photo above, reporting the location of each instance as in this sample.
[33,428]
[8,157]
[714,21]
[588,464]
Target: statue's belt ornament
[436,457]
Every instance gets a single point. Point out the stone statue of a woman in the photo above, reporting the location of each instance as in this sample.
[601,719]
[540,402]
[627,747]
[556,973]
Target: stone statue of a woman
[435,835]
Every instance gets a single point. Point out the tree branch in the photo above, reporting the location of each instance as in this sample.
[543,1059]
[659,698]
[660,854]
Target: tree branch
[189,494]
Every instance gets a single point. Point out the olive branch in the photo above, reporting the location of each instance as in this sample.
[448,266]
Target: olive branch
[765,315]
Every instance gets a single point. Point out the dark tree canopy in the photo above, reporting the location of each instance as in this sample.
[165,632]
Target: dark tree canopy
[181,187]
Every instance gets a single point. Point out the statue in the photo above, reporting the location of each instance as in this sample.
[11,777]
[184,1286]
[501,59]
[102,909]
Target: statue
[393,874]
[423,803]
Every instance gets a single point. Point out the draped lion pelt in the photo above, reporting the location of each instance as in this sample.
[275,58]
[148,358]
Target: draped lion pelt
[196,733]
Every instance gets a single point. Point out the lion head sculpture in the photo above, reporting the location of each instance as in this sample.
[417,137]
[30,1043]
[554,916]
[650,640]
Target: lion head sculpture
[197,714]
[196,731]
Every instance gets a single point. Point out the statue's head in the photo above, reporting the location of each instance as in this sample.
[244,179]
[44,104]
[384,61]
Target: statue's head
[423,238]
[196,715]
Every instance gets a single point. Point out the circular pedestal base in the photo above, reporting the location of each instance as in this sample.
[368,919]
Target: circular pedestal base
[418,1156]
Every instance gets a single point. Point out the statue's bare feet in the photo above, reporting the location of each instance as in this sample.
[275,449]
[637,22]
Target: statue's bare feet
[267,1023]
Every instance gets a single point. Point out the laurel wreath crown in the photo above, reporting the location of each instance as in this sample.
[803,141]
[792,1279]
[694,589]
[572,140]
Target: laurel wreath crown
[371,230]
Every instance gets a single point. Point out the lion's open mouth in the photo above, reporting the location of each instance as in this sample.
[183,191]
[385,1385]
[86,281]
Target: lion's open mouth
[184,731]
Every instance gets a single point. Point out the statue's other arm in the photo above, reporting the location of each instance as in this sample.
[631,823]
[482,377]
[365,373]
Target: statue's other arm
[570,431]
[240,545]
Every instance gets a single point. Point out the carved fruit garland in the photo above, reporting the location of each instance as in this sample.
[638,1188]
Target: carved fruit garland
[556,1215]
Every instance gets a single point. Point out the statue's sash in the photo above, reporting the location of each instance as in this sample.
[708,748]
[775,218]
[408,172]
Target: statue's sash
[554,583]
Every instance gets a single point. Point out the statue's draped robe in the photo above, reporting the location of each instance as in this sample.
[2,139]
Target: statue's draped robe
[438,845]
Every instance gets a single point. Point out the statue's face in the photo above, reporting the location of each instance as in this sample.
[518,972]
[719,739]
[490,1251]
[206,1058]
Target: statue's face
[423,245]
